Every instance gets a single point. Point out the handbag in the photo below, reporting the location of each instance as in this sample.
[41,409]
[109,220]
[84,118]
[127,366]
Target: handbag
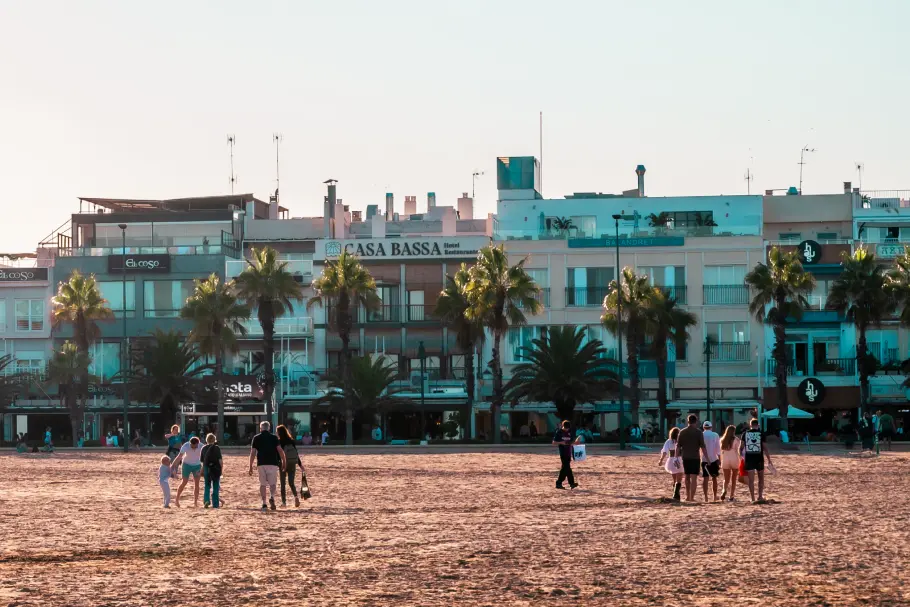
[579,454]
[674,465]
[304,486]
[742,466]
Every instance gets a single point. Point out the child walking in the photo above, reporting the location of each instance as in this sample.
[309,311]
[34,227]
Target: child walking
[164,479]
[671,462]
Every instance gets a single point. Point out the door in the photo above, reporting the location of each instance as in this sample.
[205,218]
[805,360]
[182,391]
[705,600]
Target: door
[415,305]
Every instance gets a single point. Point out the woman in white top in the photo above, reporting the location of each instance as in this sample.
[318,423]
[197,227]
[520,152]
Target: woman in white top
[673,461]
[191,456]
[729,461]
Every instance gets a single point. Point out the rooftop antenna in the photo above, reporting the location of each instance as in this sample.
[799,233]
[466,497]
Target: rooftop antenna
[277,137]
[541,153]
[231,141]
[749,177]
[859,169]
[474,177]
[802,154]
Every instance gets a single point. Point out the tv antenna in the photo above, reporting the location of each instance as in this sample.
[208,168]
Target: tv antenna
[277,137]
[474,177]
[859,169]
[231,139]
[749,177]
[802,161]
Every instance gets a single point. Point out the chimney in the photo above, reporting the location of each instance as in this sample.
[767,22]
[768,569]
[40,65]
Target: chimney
[769,192]
[431,200]
[640,171]
[465,207]
[377,226]
[847,187]
[410,205]
[389,206]
[329,208]
[356,216]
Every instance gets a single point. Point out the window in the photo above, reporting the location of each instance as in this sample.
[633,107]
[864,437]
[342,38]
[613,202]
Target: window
[112,291]
[518,338]
[827,236]
[725,285]
[2,315]
[105,362]
[29,361]
[388,310]
[670,279]
[730,340]
[585,226]
[416,306]
[678,351]
[790,236]
[883,345]
[29,315]
[819,295]
[587,286]
[600,333]
[542,279]
[165,298]
[725,275]
[690,219]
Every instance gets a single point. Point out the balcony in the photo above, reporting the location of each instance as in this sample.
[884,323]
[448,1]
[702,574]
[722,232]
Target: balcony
[843,367]
[669,236]
[883,199]
[586,296]
[725,295]
[543,297]
[301,269]
[226,248]
[284,327]
[726,352]
[389,314]
[679,293]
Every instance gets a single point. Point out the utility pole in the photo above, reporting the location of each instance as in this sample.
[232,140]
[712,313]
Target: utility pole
[124,348]
[231,141]
[474,177]
[802,162]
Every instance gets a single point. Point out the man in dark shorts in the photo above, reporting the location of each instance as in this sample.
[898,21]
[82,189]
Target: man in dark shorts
[710,466]
[563,439]
[689,443]
[755,455]
[266,450]
[885,429]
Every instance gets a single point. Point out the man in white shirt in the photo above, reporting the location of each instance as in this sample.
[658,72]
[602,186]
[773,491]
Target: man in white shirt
[710,459]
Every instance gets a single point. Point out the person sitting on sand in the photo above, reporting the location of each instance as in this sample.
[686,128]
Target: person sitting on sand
[191,457]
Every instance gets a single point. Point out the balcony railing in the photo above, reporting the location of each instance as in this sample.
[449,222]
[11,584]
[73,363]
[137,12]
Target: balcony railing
[835,366]
[883,199]
[396,313]
[730,351]
[679,293]
[726,295]
[543,297]
[301,269]
[585,296]
[302,325]
[209,249]
[514,230]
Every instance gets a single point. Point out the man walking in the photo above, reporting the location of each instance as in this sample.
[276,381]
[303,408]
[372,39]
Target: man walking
[885,429]
[755,455]
[710,462]
[563,439]
[688,445]
[265,449]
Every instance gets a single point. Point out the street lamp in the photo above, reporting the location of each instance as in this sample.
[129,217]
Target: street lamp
[622,434]
[124,353]
[708,378]
[422,354]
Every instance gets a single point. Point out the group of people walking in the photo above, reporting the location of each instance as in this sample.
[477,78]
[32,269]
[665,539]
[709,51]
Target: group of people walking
[275,457]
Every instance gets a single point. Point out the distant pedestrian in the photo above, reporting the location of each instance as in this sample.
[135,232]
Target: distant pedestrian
[710,462]
[212,469]
[325,437]
[672,463]
[689,443]
[755,454]
[266,451]
[191,457]
[564,440]
[866,432]
[886,429]
[164,479]
[729,461]
[292,460]
[137,440]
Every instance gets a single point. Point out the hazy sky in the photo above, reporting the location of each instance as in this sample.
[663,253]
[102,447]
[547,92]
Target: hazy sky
[135,99]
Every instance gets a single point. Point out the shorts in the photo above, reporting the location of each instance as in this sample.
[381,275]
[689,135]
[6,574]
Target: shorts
[268,476]
[691,466]
[886,434]
[192,469]
[712,469]
[755,462]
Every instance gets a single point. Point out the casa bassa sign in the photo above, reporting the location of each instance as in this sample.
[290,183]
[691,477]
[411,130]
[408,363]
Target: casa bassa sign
[403,248]
[139,264]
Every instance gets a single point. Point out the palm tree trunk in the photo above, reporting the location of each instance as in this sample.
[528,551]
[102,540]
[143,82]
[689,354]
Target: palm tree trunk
[780,373]
[496,405]
[469,386]
[344,332]
[268,350]
[634,378]
[77,413]
[862,361]
[662,400]
[219,384]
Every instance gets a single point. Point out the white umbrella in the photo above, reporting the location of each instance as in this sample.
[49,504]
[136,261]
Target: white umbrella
[792,413]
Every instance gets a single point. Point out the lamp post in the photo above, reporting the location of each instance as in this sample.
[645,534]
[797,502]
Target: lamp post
[708,378]
[124,352]
[422,354]
[622,434]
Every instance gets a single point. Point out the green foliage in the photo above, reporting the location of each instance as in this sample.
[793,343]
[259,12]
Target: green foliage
[79,302]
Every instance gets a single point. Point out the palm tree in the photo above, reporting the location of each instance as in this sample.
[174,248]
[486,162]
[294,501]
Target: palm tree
[267,286]
[863,293]
[563,224]
[498,296]
[660,221]
[637,293]
[563,369]
[782,284]
[68,367]
[451,308]
[666,323]
[216,315]
[344,286]
[12,381]
[166,370]
[371,390]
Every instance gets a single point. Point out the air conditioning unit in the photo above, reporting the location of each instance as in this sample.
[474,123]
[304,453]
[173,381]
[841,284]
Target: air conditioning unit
[416,378]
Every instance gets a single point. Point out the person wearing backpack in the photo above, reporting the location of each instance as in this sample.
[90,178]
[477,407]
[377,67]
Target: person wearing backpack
[212,467]
[289,446]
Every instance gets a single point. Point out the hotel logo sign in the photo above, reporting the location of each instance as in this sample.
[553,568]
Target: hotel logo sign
[811,391]
[139,264]
[22,274]
[403,248]
[809,252]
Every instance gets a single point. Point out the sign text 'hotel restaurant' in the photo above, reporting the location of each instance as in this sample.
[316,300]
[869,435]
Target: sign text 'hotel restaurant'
[403,248]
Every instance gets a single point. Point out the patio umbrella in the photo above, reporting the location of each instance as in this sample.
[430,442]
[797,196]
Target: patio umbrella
[792,413]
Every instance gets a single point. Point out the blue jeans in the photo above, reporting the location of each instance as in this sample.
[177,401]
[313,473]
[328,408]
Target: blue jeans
[213,485]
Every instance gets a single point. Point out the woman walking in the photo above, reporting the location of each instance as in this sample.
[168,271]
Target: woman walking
[287,444]
[191,457]
[729,461]
[212,468]
[174,440]
[671,462]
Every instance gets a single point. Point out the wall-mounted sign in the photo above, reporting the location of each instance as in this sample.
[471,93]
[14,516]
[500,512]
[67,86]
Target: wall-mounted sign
[229,409]
[811,391]
[22,274]
[809,252]
[459,247]
[139,264]
[236,387]
[889,251]
[656,241]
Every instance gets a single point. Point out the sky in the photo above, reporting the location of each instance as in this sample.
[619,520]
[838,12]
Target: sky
[136,99]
